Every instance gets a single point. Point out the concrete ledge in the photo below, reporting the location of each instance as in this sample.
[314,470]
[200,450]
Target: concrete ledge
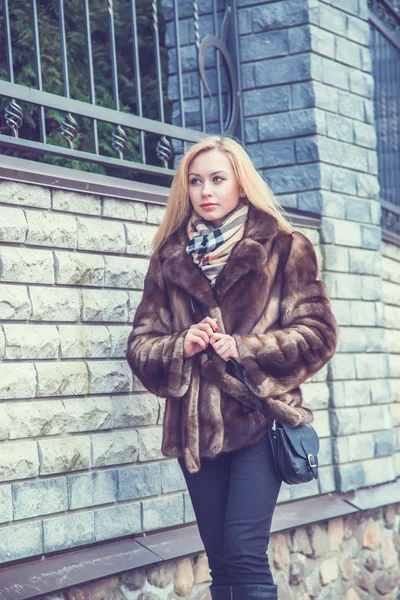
[32,578]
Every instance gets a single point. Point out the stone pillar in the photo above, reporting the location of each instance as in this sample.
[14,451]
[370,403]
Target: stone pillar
[309,126]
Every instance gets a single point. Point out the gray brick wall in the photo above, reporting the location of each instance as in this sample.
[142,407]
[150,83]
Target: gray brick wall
[80,439]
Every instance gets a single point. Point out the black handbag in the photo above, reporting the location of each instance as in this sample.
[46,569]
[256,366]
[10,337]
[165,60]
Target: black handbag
[294,449]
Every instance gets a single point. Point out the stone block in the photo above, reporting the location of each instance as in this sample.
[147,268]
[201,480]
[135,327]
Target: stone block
[251,130]
[379,470]
[321,423]
[124,272]
[372,160]
[328,17]
[117,521]
[31,341]
[2,344]
[364,134]
[264,44]
[363,313]
[55,304]
[18,460]
[367,186]
[135,410]
[139,481]
[172,479]
[393,341]
[339,128]
[394,366]
[114,448]
[68,531]
[296,179]
[266,100]
[155,214]
[12,225]
[88,414]
[345,421]
[371,288]
[390,269]
[326,97]
[17,381]
[329,570]
[371,366]
[6,513]
[127,210]
[22,194]
[364,261]
[350,393]
[315,395]
[343,285]
[74,268]
[348,52]
[290,124]
[277,71]
[109,377]
[118,338]
[336,258]
[105,305]
[100,235]
[371,237]
[350,477]
[62,378]
[272,154]
[341,309]
[149,443]
[24,265]
[20,541]
[139,238]
[89,489]
[385,443]
[64,454]
[307,149]
[352,339]
[326,479]
[34,419]
[310,201]
[76,202]
[51,229]
[14,302]
[343,180]
[342,366]
[391,293]
[42,497]
[277,15]
[83,341]
[335,74]
[165,511]
[358,30]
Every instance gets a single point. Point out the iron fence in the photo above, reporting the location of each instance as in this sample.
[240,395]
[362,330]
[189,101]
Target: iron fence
[385,48]
[107,83]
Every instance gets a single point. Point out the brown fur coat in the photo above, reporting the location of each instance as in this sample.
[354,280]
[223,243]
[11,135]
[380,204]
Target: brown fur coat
[269,298]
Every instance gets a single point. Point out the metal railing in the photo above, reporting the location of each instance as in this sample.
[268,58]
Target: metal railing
[97,86]
[385,48]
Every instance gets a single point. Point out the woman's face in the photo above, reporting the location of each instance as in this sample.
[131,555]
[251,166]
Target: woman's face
[214,190]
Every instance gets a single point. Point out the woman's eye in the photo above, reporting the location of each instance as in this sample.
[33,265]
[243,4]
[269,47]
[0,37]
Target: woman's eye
[194,181]
[217,177]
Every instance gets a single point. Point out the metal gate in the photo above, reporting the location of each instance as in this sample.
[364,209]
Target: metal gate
[385,48]
[132,76]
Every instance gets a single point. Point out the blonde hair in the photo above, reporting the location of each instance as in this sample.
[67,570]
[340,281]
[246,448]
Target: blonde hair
[250,182]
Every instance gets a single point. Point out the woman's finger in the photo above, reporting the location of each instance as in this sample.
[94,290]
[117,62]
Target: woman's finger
[211,322]
[207,328]
[197,339]
[200,333]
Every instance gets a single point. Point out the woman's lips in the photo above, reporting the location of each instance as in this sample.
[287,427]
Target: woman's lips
[208,206]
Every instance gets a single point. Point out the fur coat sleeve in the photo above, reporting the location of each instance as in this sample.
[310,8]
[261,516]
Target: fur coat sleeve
[284,357]
[154,352]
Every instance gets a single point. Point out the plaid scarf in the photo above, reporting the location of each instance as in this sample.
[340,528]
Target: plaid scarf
[210,248]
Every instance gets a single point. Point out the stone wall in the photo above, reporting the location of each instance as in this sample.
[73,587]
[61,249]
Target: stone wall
[80,457]
[80,439]
[351,558]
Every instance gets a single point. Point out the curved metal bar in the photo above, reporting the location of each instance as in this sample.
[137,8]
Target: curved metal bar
[213,41]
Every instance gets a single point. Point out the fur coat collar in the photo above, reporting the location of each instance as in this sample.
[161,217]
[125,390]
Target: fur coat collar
[268,296]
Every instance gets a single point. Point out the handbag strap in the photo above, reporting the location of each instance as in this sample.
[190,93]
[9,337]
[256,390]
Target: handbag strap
[237,368]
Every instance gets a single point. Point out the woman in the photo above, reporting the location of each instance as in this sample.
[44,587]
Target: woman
[229,279]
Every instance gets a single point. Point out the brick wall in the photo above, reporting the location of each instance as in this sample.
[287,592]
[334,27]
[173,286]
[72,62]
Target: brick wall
[80,440]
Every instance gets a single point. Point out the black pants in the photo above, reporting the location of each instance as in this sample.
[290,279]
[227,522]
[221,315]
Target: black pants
[234,497]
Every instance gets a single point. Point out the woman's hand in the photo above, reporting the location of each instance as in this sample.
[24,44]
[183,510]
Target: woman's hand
[198,337]
[225,346]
